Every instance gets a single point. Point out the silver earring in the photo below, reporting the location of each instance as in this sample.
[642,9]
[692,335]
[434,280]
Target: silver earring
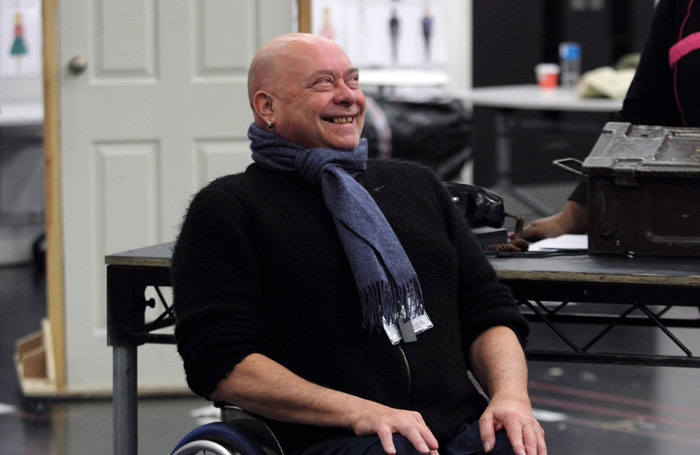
[269,124]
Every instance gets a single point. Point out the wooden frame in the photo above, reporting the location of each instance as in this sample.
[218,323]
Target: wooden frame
[304,11]
[52,154]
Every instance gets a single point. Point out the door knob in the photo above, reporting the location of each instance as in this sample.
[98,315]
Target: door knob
[78,64]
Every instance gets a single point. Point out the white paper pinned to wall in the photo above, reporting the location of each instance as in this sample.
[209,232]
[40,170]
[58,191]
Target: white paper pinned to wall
[20,38]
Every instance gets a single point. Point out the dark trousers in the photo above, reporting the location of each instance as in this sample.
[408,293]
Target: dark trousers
[467,441]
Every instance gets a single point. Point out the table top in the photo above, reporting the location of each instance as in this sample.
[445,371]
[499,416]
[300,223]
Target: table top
[571,268]
[150,256]
[600,269]
[532,97]
[397,77]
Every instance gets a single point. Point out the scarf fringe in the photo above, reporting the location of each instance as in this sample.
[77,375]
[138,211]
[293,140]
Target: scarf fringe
[383,300]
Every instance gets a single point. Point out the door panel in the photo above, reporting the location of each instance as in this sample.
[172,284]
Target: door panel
[212,156]
[161,109]
[126,48]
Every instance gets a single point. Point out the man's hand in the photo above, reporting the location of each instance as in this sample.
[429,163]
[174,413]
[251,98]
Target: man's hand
[573,219]
[513,414]
[498,363]
[373,418]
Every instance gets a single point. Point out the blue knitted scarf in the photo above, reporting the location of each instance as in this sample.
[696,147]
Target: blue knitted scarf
[385,279]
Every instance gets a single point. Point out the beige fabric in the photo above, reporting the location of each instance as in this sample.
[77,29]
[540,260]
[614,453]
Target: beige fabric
[605,82]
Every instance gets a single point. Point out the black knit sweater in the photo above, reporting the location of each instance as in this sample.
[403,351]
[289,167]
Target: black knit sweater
[259,268]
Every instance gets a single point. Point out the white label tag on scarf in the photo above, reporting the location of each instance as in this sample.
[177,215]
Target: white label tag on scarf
[420,324]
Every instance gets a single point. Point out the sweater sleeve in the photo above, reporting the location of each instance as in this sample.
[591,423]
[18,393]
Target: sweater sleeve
[580,193]
[650,99]
[484,302]
[216,290]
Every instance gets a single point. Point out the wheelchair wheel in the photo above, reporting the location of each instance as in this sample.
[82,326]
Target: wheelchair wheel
[217,439]
[205,447]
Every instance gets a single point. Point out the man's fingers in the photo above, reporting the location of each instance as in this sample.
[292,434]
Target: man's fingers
[418,440]
[526,439]
[409,424]
[541,444]
[530,439]
[387,440]
[413,436]
[428,437]
[487,432]
[514,430]
[419,435]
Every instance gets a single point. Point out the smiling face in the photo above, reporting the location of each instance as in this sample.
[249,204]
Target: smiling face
[307,87]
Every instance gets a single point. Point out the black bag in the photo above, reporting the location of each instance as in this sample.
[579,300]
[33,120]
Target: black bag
[436,132]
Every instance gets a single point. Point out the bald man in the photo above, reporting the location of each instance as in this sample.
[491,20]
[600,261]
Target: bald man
[343,299]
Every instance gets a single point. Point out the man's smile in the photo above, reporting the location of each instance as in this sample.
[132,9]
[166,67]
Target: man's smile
[340,119]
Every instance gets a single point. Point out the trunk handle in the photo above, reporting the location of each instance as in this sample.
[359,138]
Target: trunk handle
[560,164]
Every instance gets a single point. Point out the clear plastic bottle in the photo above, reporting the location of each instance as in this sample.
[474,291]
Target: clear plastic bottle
[570,63]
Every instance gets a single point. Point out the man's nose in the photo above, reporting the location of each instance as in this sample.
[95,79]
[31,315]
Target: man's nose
[344,94]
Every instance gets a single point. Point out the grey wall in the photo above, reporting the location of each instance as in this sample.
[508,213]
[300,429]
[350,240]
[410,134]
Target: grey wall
[21,174]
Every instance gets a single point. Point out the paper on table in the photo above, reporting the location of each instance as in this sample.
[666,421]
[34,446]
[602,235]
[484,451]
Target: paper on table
[563,242]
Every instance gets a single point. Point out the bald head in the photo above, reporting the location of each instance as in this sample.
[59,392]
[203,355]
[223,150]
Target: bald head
[275,56]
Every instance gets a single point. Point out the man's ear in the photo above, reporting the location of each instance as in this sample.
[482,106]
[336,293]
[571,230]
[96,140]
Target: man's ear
[263,105]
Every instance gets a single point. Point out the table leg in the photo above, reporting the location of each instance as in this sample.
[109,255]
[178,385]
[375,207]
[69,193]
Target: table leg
[502,148]
[124,408]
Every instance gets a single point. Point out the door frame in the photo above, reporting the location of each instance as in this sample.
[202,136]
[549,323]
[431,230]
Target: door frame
[52,174]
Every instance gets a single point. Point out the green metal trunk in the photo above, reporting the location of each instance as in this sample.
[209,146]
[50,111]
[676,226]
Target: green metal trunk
[644,190]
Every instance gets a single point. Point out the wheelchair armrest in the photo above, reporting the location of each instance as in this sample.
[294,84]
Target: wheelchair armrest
[251,425]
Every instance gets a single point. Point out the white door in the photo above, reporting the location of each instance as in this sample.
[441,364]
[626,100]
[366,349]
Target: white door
[160,110]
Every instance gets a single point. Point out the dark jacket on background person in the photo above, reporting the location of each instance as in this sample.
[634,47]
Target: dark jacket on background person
[661,94]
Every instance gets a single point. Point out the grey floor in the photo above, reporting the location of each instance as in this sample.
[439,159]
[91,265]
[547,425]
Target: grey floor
[585,408]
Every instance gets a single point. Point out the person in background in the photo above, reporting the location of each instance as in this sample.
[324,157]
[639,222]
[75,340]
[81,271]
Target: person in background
[342,299]
[665,91]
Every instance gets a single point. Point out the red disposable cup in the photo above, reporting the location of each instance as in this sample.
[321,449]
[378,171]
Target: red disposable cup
[547,75]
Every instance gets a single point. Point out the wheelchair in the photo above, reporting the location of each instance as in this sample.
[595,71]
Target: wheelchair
[238,433]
